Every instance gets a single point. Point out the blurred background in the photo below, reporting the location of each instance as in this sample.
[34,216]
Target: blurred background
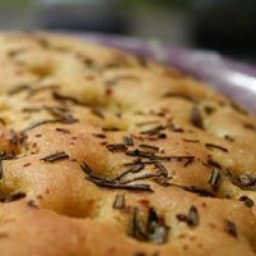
[228,26]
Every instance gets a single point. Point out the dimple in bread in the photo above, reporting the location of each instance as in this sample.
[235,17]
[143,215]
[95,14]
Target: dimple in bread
[106,153]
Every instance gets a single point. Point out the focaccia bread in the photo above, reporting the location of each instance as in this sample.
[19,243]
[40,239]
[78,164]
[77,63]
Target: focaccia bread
[106,153]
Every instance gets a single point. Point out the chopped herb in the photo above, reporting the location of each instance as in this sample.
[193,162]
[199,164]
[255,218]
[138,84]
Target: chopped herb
[31,110]
[196,117]
[213,163]
[139,153]
[209,110]
[128,141]
[199,191]
[12,197]
[61,97]
[144,154]
[14,52]
[214,179]
[86,168]
[247,201]
[142,177]
[6,156]
[55,157]
[174,127]
[191,141]
[152,231]
[34,91]
[162,136]
[230,228]
[150,147]
[100,135]
[244,181]
[194,189]
[136,230]
[27,164]
[210,146]
[161,168]
[192,219]
[117,147]
[182,217]
[63,130]
[156,231]
[111,129]
[153,131]
[89,62]
[32,204]
[177,129]
[119,202]
[119,114]
[238,108]
[247,180]
[19,89]
[229,138]
[110,184]
[162,180]
[134,162]
[189,161]
[134,169]
[13,137]
[250,126]
[43,42]
[193,216]
[35,125]
[115,184]
[2,121]
[62,114]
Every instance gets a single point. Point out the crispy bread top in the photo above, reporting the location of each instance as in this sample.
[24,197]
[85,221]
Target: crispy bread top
[106,153]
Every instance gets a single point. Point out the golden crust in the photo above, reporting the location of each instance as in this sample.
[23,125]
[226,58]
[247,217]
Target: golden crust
[105,153]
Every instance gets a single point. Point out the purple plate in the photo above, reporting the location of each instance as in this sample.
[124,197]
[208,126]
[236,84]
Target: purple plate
[234,79]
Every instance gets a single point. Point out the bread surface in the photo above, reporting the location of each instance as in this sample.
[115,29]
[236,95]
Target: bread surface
[106,153]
